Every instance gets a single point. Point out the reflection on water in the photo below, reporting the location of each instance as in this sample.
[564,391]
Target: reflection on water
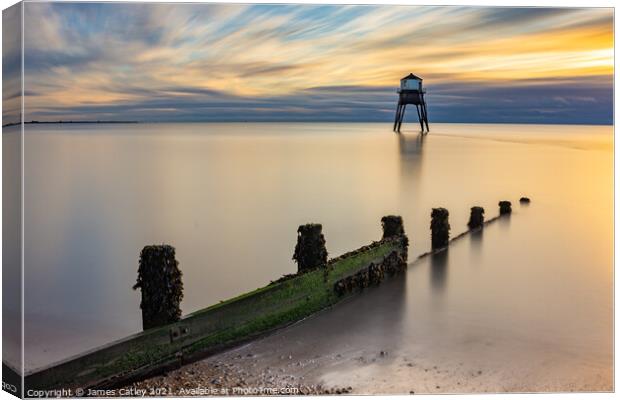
[11,254]
[410,145]
[439,270]
[410,149]
[475,238]
[229,197]
[504,221]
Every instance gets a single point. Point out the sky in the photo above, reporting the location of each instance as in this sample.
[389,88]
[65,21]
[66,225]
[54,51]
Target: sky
[252,62]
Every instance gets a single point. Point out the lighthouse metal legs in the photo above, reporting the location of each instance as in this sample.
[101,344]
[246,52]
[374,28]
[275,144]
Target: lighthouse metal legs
[425,116]
[420,117]
[397,116]
[400,115]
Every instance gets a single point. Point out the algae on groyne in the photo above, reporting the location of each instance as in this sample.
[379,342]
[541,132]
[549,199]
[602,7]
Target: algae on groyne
[282,302]
[206,331]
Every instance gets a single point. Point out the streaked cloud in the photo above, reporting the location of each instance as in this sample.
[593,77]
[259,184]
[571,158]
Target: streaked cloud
[11,65]
[303,62]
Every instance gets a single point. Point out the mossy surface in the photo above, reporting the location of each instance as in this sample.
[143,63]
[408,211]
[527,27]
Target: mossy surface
[295,298]
[227,322]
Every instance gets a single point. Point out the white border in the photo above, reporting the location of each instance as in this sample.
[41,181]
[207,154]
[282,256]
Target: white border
[504,3]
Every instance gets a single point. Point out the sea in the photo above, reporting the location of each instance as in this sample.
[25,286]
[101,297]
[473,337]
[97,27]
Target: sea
[534,288]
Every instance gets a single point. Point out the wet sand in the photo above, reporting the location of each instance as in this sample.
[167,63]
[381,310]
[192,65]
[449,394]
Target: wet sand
[297,357]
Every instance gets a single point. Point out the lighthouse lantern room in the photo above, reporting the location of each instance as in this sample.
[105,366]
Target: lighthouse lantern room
[411,82]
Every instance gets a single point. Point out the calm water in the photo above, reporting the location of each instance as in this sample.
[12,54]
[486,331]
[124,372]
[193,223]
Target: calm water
[229,197]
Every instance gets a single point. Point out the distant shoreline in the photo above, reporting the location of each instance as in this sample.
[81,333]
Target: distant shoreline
[291,122]
[70,122]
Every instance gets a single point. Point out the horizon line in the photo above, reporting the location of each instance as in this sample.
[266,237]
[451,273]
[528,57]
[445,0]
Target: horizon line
[60,122]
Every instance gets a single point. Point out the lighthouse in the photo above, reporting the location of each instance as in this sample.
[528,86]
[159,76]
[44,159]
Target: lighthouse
[411,91]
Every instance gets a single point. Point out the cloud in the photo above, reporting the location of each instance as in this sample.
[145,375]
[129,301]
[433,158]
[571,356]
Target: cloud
[11,65]
[532,102]
[153,61]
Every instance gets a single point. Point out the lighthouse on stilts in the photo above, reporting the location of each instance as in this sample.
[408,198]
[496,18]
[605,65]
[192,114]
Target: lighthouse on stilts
[411,92]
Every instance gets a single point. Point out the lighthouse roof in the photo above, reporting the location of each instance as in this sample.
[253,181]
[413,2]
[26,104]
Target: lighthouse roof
[411,76]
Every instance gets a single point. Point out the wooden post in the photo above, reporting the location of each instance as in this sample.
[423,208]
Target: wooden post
[476,218]
[159,280]
[505,207]
[440,228]
[310,251]
[392,226]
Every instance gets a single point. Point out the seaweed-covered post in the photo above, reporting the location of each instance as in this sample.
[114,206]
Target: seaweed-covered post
[505,207]
[392,226]
[159,280]
[310,251]
[476,218]
[440,228]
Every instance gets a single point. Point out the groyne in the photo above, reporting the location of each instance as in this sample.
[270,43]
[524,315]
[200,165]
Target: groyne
[170,341]
[214,328]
